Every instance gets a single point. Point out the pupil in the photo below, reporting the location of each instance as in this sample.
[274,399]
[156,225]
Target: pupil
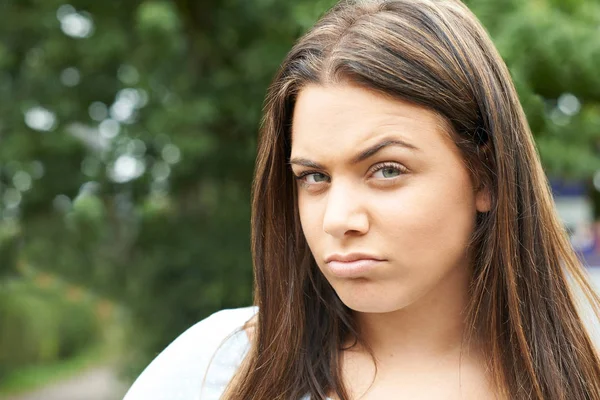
[387,172]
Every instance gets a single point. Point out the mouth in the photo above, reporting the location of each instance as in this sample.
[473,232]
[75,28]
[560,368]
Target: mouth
[354,265]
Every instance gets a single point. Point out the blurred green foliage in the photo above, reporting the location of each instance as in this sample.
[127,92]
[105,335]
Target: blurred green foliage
[128,133]
[40,325]
[9,237]
[552,48]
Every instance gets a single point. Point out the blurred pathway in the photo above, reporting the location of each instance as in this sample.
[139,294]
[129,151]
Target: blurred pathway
[99,383]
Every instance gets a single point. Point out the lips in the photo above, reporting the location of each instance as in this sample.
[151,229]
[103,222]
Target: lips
[351,257]
[353,265]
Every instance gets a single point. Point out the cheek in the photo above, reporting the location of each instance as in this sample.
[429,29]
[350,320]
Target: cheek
[310,219]
[431,220]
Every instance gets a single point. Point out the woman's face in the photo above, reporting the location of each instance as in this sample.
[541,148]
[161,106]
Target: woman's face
[385,201]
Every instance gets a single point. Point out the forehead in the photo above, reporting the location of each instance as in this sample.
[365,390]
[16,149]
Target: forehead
[345,116]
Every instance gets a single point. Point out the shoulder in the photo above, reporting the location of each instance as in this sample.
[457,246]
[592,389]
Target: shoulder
[209,351]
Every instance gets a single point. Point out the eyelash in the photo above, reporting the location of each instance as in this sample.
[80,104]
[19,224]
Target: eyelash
[402,169]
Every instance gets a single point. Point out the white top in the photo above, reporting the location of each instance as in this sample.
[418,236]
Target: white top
[178,373]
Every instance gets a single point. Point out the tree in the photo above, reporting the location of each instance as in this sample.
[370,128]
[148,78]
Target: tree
[552,50]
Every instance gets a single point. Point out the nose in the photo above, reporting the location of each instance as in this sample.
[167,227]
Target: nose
[344,213]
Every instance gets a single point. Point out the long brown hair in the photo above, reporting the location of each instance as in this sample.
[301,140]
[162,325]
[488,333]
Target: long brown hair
[523,304]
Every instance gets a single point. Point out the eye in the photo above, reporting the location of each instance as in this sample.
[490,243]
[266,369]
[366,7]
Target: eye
[311,178]
[388,171]
[315,177]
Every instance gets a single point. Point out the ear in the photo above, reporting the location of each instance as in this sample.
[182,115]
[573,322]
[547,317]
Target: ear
[483,195]
[483,199]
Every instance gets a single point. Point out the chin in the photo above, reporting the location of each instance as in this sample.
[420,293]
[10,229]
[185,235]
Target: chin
[369,308]
[370,302]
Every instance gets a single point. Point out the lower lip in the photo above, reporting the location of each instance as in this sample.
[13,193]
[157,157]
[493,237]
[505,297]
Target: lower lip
[352,269]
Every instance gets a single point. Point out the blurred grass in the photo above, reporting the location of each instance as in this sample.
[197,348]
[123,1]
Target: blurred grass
[105,349]
[30,378]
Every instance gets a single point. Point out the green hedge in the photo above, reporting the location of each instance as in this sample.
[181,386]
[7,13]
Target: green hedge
[41,325]
[9,237]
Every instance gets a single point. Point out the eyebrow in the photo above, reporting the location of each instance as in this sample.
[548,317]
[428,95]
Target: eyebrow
[363,155]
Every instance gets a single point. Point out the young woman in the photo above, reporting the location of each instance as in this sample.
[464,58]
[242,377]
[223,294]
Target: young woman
[405,241]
